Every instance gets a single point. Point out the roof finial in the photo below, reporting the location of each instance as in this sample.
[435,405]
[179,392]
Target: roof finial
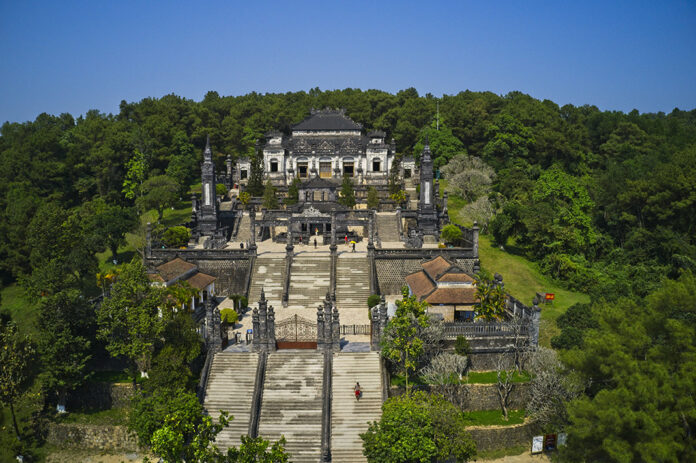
[427,140]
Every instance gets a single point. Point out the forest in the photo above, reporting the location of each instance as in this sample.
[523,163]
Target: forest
[604,202]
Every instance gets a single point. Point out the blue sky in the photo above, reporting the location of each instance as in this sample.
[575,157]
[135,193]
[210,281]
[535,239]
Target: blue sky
[75,56]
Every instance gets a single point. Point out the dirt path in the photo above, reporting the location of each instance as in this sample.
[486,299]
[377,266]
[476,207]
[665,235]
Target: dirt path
[522,458]
[92,456]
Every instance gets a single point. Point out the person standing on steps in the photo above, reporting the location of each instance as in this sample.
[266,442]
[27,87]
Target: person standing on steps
[315,243]
[358,392]
[346,240]
[353,246]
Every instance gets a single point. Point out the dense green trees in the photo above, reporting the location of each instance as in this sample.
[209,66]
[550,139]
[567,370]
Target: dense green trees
[347,194]
[16,369]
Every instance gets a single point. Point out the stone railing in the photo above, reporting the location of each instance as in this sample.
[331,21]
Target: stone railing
[425,253]
[255,413]
[475,330]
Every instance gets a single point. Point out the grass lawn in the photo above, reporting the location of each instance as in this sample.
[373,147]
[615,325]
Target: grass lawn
[23,312]
[523,280]
[493,418]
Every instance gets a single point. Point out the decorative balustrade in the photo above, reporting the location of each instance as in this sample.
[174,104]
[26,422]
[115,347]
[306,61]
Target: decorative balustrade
[475,330]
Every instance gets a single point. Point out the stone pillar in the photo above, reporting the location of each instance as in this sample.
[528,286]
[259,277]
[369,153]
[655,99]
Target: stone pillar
[376,331]
[270,329]
[217,332]
[255,341]
[209,323]
[383,314]
[335,331]
[534,325]
[475,238]
[252,220]
[498,280]
[263,319]
[289,247]
[228,164]
[477,266]
[320,327]
[371,229]
[332,247]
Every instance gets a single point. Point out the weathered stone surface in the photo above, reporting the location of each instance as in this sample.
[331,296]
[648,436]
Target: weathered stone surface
[108,438]
[501,437]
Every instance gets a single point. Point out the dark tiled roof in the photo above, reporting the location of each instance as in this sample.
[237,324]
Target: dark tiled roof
[377,134]
[452,296]
[200,280]
[455,277]
[328,119]
[174,268]
[420,284]
[436,267]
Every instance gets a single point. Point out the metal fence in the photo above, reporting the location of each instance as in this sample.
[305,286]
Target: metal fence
[474,330]
[355,329]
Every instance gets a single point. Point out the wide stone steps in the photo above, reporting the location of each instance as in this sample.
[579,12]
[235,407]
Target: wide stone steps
[350,417]
[310,278]
[244,230]
[268,274]
[292,404]
[352,283]
[387,227]
[230,388]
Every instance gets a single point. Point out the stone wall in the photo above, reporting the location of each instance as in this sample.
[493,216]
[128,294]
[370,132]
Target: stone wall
[231,274]
[101,396]
[107,438]
[501,437]
[392,271]
[482,396]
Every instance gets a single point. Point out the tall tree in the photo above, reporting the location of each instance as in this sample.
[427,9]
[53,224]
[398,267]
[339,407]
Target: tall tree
[347,196]
[270,200]
[129,319]
[16,370]
[159,193]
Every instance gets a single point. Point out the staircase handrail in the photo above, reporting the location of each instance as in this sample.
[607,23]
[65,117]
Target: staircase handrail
[250,274]
[326,408]
[205,373]
[255,412]
[286,283]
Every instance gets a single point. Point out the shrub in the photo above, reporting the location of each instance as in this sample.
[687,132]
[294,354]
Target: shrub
[244,302]
[462,347]
[229,316]
[176,237]
[373,300]
[451,234]
[220,189]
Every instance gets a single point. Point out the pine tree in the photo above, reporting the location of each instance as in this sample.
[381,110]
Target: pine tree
[372,198]
[255,185]
[293,192]
[347,193]
[270,201]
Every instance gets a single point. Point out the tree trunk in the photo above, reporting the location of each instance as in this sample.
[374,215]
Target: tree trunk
[14,421]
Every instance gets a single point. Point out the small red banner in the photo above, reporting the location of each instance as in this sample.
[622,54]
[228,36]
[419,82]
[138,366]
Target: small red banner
[550,296]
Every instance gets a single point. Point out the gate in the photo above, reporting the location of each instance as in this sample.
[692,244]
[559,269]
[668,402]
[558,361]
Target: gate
[296,333]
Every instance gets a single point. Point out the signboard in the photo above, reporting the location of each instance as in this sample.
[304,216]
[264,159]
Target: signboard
[562,438]
[537,444]
[549,442]
[550,296]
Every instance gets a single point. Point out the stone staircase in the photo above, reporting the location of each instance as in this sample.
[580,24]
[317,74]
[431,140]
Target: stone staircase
[268,274]
[244,231]
[350,417]
[352,289]
[231,388]
[387,227]
[310,278]
[292,404]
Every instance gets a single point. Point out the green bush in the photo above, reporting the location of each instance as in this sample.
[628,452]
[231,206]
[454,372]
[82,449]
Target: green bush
[461,346]
[176,237]
[373,300]
[451,234]
[220,189]
[229,316]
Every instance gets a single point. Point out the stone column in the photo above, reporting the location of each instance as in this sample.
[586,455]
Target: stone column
[376,333]
[209,323]
[332,247]
[383,314]
[475,239]
[252,219]
[270,328]
[371,229]
[228,164]
[536,318]
[217,333]
[289,247]
[263,319]
[255,327]
[320,327]
[335,331]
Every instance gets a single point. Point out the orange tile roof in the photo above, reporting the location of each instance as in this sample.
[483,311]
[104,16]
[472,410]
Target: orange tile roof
[200,280]
[455,277]
[420,283]
[155,277]
[174,268]
[436,267]
[452,296]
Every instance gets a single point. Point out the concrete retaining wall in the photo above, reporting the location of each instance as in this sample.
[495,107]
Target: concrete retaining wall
[101,396]
[501,437]
[108,438]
